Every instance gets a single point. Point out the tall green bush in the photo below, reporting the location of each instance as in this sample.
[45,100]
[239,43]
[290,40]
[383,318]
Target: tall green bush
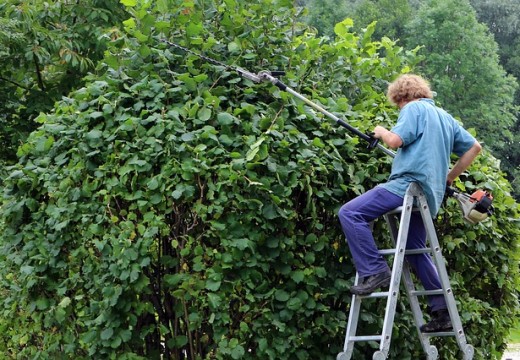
[170,208]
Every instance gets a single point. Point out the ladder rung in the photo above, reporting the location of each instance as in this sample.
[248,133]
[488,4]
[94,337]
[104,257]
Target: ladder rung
[443,333]
[428,292]
[387,252]
[366,338]
[399,209]
[376,295]
[406,252]
[418,251]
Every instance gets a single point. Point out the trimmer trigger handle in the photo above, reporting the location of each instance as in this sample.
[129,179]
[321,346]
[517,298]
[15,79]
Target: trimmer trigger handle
[277,73]
[372,141]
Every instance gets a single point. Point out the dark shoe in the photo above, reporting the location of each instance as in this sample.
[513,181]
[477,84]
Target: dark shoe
[372,283]
[440,321]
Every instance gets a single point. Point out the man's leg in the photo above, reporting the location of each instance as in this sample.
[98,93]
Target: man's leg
[355,217]
[427,273]
[422,263]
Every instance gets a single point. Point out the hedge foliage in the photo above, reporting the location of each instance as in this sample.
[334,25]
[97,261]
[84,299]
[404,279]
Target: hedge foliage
[170,208]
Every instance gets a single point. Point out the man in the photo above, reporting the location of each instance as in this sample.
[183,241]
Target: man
[425,137]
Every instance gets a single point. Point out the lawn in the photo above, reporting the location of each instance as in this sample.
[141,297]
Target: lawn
[514,337]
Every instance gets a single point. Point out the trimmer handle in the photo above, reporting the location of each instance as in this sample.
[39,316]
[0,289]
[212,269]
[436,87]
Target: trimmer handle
[278,73]
[372,141]
[450,191]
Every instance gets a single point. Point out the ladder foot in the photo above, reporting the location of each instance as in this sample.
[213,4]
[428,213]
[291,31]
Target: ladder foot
[469,352]
[433,354]
[343,356]
[379,355]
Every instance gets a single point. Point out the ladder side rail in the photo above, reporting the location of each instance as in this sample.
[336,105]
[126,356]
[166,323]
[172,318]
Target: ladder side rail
[397,267]
[414,301]
[443,276]
[353,317]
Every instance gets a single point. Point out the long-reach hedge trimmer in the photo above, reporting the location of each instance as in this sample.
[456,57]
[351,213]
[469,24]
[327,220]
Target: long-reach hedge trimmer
[476,207]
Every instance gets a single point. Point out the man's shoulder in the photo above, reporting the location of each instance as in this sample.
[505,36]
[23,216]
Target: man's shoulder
[420,105]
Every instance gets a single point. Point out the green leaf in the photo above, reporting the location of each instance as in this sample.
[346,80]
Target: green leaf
[341,29]
[241,244]
[162,6]
[194,29]
[297,276]
[141,38]
[252,153]
[153,184]
[234,47]
[204,114]
[107,333]
[281,295]
[129,3]
[213,285]
[42,304]
[129,24]
[225,118]
[145,51]
[238,352]
[64,302]
[173,280]
[294,304]
[269,212]
[214,300]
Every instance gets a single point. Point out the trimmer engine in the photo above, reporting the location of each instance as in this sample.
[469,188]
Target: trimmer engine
[476,207]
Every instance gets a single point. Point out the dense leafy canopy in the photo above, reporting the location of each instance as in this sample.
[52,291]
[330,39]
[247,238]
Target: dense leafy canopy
[170,208]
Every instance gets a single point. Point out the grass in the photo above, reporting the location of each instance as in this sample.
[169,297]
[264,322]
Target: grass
[514,337]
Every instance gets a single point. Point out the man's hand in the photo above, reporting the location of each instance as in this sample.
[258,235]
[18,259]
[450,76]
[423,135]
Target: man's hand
[389,138]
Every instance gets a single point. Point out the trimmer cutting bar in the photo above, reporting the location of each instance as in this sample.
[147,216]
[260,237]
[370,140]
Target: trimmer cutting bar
[271,77]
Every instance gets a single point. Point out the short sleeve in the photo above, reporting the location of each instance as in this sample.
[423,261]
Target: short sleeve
[410,125]
[462,140]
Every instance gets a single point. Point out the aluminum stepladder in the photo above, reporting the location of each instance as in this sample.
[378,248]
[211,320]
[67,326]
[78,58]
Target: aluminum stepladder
[401,268]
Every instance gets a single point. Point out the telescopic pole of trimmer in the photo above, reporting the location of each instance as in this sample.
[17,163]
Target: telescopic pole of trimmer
[372,141]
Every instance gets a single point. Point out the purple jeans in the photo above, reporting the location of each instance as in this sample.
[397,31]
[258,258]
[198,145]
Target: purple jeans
[355,217]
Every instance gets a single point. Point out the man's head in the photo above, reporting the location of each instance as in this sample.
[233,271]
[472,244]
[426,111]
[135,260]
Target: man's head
[408,87]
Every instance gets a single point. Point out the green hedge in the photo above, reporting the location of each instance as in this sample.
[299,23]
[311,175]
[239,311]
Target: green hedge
[170,208]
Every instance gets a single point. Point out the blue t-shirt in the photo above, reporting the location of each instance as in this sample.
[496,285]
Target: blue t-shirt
[429,136]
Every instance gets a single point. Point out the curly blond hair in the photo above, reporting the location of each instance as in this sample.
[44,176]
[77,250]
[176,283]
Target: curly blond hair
[408,87]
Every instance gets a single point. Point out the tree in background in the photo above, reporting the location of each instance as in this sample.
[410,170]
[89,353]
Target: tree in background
[503,19]
[397,13]
[46,47]
[461,60]
[324,14]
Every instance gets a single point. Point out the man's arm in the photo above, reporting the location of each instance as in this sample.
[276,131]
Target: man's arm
[464,161]
[389,138]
